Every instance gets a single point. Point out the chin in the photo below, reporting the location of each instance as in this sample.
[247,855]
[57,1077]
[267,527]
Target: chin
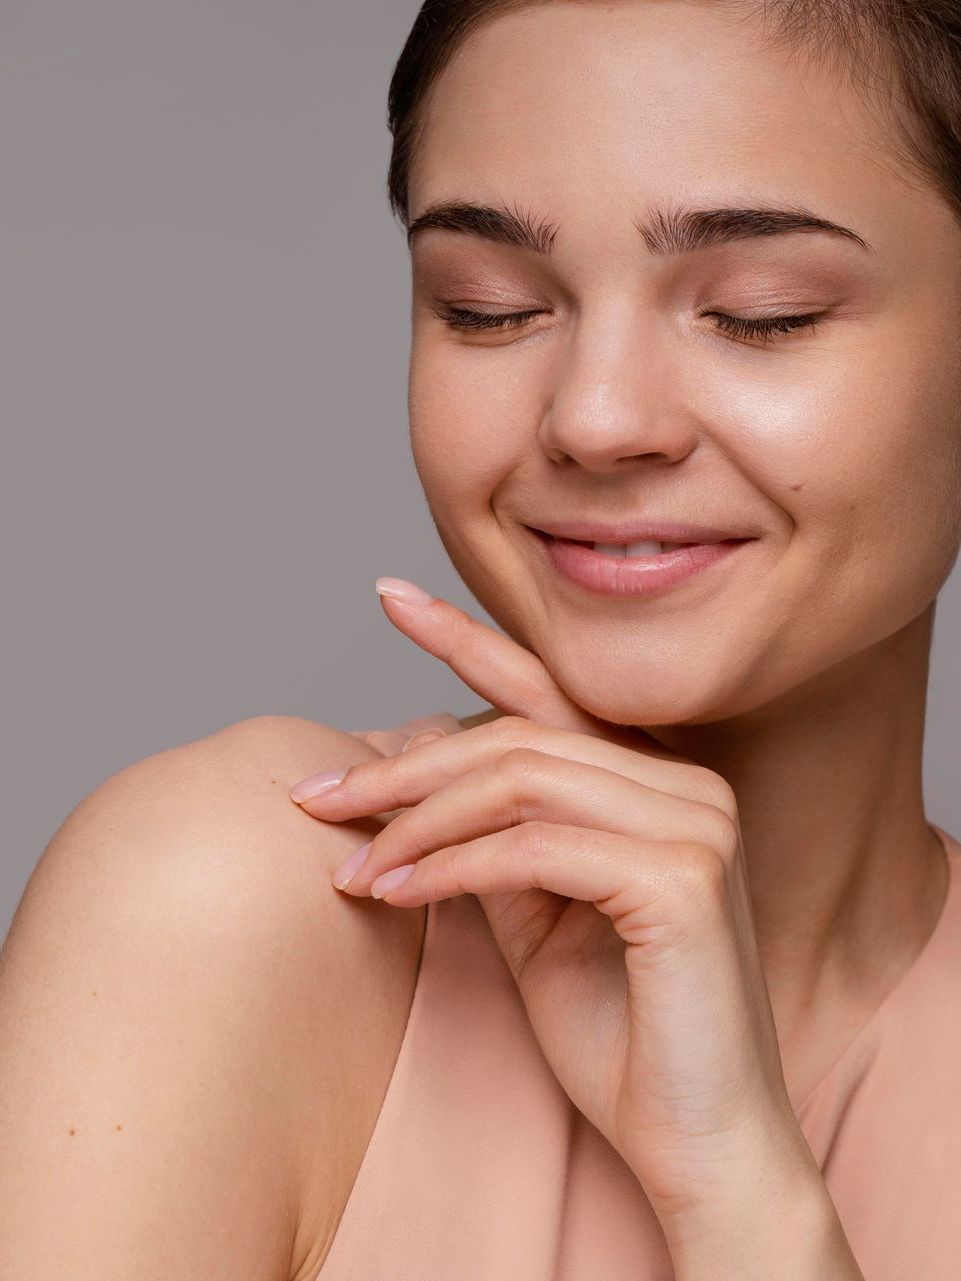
[622,700]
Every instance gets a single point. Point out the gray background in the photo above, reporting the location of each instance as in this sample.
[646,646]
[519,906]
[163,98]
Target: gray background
[205,328]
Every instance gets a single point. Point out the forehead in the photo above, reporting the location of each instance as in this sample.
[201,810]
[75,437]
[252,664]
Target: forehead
[589,108]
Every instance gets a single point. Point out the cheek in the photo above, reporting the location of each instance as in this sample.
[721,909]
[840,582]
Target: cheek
[467,423]
[472,424]
[891,462]
[864,462]
[915,480]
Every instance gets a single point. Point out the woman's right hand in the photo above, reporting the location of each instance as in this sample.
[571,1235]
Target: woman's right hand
[412,733]
[391,742]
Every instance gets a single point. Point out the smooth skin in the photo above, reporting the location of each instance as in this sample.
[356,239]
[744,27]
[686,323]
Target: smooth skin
[196,1031]
[660,1030]
[801,677]
[193,898]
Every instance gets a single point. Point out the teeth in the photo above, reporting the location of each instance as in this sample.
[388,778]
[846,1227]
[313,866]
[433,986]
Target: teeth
[643,548]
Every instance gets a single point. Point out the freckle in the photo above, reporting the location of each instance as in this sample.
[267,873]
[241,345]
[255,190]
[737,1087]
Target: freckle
[273,780]
[71,1130]
[118,1127]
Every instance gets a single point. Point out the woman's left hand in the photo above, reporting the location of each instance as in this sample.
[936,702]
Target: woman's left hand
[612,875]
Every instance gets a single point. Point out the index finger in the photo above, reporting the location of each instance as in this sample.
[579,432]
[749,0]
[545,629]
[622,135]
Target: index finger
[500,670]
[397,782]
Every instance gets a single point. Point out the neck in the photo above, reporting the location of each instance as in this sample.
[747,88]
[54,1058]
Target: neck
[847,879]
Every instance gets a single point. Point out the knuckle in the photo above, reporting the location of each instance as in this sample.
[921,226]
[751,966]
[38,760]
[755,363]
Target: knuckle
[533,839]
[722,832]
[401,836]
[456,862]
[724,797]
[512,789]
[731,835]
[520,768]
[715,790]
[519,762]
[511,729]
[702,870]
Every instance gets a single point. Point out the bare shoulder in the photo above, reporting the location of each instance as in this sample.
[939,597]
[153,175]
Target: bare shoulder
[187,1002]
[356,961]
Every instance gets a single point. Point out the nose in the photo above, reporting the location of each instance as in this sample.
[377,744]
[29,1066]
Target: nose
[619,400]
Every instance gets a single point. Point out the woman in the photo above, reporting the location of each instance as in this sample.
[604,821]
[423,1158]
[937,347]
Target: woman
[664,979]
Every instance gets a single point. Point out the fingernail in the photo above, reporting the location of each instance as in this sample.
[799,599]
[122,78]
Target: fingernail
[350,866]
[424,736]
[390,880]
[315,784]
[401,589]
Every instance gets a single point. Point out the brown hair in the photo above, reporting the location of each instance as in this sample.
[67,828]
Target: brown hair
[905,53]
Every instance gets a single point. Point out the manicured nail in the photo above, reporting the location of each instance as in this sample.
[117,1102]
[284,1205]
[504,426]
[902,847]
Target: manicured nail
[425,736]
[344,874]
[315,784]
[390,880]
[401,589]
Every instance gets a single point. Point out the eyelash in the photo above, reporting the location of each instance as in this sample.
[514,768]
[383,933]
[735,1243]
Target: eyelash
[739,326]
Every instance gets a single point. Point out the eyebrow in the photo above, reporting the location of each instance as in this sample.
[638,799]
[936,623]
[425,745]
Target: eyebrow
[665,232]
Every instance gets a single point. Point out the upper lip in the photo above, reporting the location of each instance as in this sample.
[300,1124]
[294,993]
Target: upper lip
[663,531]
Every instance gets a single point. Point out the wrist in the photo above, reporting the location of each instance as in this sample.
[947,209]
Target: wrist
[765,1212]
[787,1227]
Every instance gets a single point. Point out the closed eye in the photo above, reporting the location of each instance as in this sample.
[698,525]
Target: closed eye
[462,318]
[764,327]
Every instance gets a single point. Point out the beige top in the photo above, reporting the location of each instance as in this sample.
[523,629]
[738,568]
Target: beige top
[481,1169]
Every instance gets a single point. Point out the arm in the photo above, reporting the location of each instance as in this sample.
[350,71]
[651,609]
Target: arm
[174,1025]
[784,1226]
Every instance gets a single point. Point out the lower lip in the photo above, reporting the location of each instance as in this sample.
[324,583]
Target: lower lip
[633,575]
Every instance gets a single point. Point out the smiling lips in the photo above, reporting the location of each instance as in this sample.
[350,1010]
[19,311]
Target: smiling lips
[644,547]
[624,533]
[635,566]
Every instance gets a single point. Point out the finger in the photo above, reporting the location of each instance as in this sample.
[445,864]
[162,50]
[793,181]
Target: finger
[445,721]
[625,878]
[405,779]
[481,718]
[494,666]
[392,743]
[388,742]
[425,736]
[525,786]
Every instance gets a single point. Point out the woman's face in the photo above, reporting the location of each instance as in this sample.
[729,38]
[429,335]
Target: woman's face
[625,399]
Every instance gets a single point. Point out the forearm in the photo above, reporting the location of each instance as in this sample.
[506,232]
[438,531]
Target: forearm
[790,1236]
